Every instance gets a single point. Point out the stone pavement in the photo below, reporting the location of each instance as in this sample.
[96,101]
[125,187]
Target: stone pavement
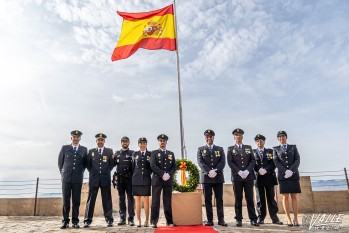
[51,224]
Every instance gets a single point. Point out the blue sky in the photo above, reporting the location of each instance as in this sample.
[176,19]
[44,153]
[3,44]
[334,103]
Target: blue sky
[262,66]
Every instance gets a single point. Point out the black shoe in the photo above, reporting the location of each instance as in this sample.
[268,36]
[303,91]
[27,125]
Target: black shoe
[222,223]
[87,225]
[170,225]
[277,222]
[109,224]
[260,220]
[64,225]
[122,222]
[209,223]
[238,223]
[76,225]
[153,225]
[131,223]
[254,223]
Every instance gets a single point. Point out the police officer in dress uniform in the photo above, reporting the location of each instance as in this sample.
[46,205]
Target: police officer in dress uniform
[287,160]
[242,162]
[122,180]
[71,164]
[100,162]
[211,159]
[141,180]
[266,181]
[163,165]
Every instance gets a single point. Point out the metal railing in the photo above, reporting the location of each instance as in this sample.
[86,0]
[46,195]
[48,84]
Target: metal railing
[41,188]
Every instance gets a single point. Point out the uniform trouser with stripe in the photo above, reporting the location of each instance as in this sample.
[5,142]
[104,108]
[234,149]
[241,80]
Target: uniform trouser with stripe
[218,193]
[244,186]
[106,202]
[155,204]
[73,191]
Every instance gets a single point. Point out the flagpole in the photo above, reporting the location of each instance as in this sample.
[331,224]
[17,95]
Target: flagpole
[183,149]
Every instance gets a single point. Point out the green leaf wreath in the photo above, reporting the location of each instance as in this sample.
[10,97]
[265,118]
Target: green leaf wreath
[193,180]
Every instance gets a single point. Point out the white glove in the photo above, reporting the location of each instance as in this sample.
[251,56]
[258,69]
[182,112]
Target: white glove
[246,172]
[242,174]
[212,173]
[166,177]
[262,171]
[288,174]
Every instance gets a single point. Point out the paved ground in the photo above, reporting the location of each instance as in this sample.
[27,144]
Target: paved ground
[52,224]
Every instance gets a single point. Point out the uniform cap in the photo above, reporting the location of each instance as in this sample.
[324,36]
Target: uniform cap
[237,130]
[162,136]
[142,140]
[209,132]
[124,138]
[281,133]
[101,135]
[75,133]
[259,136]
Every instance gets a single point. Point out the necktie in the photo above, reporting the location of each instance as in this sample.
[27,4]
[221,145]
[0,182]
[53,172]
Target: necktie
[164,152]
[75,149]
[99,150]
[261,153]
[284,147]
[240,147]
[142,154]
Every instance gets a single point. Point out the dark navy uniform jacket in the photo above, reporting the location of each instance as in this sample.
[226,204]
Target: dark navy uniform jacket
[123,162]
[100,167]
[243,160]
[266,162]
[72,165]
[211,159]
[141,168]
[287,160]
[160,164]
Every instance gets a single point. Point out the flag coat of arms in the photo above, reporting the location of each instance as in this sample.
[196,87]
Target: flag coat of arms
[149,30]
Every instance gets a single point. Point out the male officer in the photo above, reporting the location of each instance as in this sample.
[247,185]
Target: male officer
[71,164]
[122,179]
[211,159]
[163,164]
[241,162]
[100,162]
[266,180]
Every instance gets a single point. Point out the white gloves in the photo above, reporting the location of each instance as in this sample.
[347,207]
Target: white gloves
[288,174]
[242,174]
[246,172]
[212,173]
[166,177]
[262,171]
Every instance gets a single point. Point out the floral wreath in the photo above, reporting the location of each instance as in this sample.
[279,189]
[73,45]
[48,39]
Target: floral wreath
[191,184]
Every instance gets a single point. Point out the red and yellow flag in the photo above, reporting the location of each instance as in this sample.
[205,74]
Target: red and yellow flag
[149,30]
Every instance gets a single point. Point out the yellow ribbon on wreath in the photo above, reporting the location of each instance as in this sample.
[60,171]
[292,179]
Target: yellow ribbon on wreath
[183,167]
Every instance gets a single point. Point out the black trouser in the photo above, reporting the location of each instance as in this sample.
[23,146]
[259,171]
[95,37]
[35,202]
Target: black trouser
[106,202]
[239,187]
[267,194]
[166,201]
[72,190]
[126,187]
[218,193]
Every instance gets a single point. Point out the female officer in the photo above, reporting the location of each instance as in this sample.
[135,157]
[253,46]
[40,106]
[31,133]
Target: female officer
[141,180]
[286,158]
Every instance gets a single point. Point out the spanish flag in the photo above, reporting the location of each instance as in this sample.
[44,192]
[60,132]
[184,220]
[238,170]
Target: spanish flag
[149,30]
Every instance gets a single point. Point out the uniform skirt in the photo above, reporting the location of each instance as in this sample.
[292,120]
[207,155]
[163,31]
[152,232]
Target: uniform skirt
[289,186]
[141,190]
